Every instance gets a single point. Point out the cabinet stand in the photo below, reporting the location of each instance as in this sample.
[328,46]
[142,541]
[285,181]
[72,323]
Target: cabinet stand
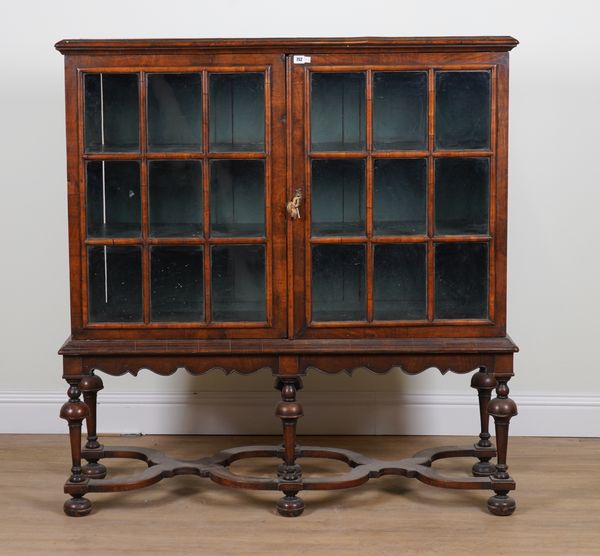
[288,478]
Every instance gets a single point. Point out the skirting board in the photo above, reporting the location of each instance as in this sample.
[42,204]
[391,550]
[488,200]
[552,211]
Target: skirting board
[369,413]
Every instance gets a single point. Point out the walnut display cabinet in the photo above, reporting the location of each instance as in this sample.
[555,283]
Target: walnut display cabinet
[290,204]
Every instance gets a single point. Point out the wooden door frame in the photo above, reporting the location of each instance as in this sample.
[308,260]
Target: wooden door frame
[298,157]
[275,152]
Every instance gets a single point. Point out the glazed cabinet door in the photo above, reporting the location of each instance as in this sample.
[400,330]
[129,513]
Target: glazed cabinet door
[397,164]
[182,197]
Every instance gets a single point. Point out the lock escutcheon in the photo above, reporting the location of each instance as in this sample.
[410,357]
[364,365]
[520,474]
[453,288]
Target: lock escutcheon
[293,206]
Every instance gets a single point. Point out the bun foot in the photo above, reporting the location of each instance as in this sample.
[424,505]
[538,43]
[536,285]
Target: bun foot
[290,506]
[501,504]
[483,469]
[78,507]
[94,470]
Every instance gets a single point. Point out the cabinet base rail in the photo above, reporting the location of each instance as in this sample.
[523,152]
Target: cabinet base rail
[216,468]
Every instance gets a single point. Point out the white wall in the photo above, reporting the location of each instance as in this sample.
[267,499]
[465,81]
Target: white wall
[554,188]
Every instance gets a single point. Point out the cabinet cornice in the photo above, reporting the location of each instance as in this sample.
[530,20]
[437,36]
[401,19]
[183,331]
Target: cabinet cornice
[335,44]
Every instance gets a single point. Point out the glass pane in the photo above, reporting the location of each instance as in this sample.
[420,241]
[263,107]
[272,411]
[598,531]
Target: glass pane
[462,195]
[114,284]
[113,198]
[400,283]
[237,112]
[462,110]
[338,197]
[175,198]
[338,282]
[174,111]
[461,280]
[111,112]
[400,110]
[176,284]
[337,113]
[238,283]
[400,196]
[237,198]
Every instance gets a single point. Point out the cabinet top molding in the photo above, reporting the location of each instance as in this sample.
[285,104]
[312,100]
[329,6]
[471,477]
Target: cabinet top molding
[433,44]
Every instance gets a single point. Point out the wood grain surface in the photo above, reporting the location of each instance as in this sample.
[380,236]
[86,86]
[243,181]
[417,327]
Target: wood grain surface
[557,512]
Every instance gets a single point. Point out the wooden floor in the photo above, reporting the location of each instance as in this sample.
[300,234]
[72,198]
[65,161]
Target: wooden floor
[558,504]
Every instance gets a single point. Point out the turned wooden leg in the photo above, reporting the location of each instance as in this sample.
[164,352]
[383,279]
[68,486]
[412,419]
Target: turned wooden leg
[74,412]
[289,411]
[90,386]
[484,382]
[502,409]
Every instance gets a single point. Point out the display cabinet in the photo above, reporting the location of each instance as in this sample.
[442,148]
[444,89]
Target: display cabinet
[291,204]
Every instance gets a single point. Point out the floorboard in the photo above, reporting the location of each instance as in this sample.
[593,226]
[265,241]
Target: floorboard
[558,504]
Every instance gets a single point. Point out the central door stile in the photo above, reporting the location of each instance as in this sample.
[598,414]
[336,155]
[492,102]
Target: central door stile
[297,76]
[276,196]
